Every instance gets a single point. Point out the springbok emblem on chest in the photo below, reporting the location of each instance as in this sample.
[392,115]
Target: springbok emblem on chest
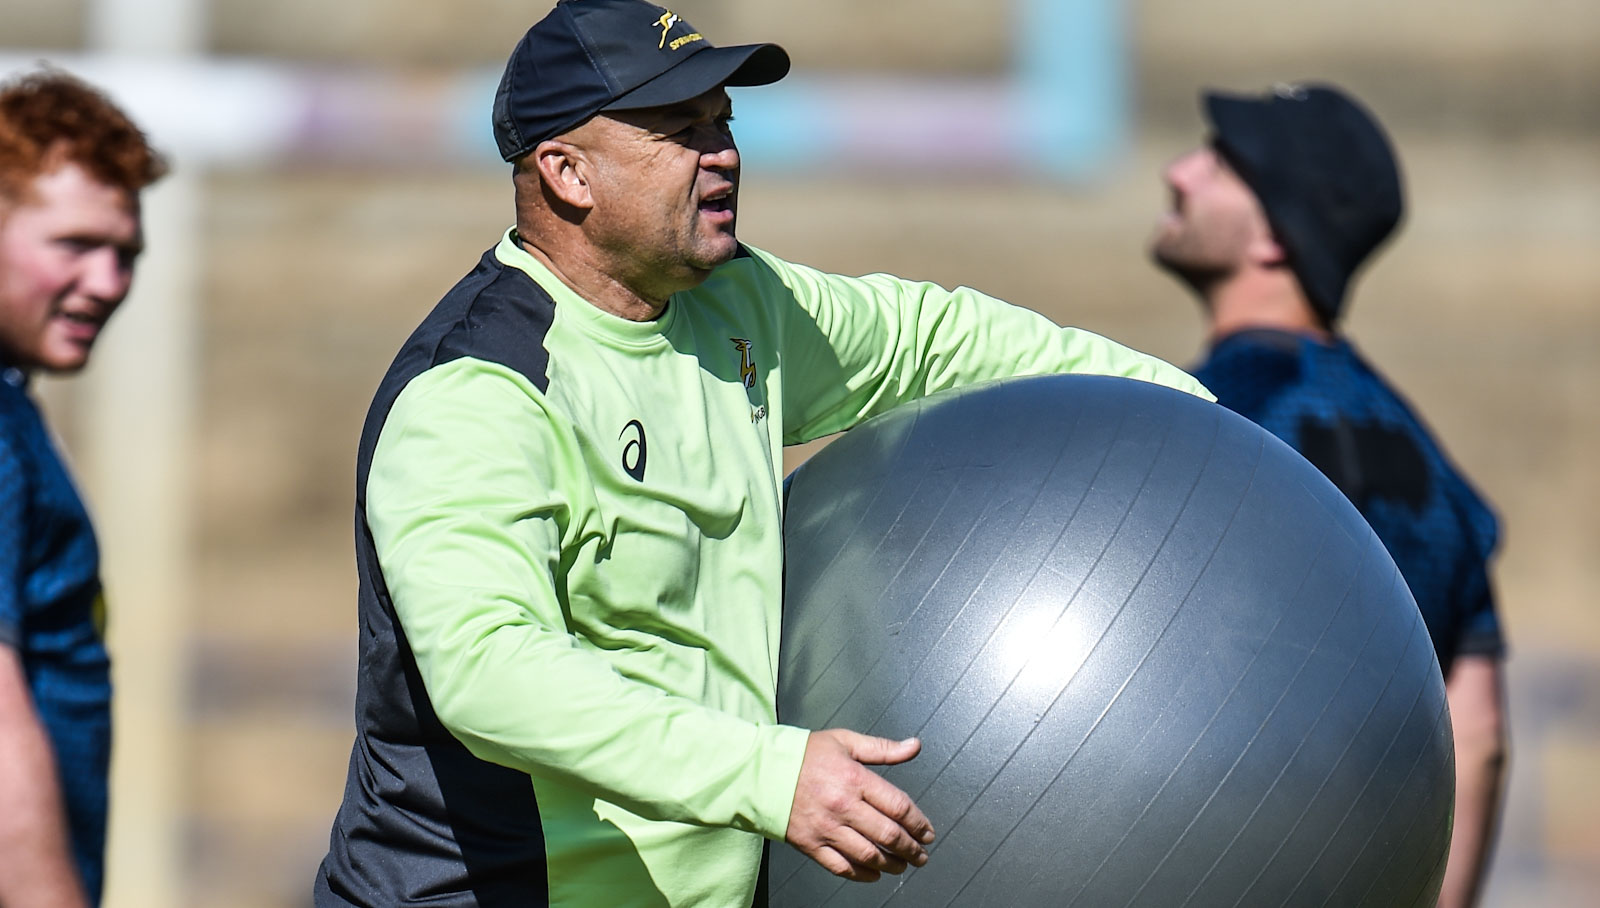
[747,363]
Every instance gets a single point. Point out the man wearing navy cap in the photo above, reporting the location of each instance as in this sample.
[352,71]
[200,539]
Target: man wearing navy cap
[569,521]
[1270,220]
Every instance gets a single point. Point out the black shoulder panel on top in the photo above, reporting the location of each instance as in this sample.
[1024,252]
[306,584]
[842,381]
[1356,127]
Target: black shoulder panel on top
[496,313]
[505,322]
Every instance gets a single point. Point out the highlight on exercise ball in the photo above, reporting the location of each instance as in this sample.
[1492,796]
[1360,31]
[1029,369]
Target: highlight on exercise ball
[1155,658]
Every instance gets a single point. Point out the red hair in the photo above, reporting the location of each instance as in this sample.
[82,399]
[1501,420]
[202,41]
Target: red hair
[50,118]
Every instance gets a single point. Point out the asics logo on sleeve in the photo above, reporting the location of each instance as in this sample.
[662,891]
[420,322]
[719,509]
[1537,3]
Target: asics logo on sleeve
[633,453]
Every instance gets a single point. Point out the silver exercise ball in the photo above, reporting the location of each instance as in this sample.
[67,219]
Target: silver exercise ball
[1155,658]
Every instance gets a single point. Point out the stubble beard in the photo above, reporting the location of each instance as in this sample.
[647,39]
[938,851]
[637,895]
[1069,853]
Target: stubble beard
[1175,256]
[711,247]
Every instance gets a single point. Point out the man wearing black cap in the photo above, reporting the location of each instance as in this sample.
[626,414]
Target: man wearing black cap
[569,519]
[1269,222]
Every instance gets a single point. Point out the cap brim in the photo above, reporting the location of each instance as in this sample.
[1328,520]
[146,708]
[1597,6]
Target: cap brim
[741,65]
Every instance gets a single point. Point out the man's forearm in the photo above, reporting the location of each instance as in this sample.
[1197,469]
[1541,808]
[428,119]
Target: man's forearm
[1477,713]
[36,865]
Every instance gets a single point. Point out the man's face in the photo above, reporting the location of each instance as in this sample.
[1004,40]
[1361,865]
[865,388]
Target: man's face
[667,194]
[1213,221]
[67,249]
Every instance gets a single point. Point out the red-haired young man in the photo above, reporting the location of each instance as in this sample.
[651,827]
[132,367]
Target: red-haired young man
[72,166]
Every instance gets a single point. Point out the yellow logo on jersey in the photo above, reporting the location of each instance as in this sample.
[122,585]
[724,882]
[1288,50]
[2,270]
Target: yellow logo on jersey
[97,614]
[747,363]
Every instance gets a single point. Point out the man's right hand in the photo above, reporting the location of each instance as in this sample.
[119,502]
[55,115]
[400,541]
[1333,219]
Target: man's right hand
[846,817]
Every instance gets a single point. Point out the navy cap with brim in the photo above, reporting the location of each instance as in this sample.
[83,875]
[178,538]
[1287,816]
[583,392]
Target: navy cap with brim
[739,66]
[586,56]
[1324,174]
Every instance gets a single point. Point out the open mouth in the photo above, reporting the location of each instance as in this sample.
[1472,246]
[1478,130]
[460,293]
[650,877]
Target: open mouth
[719,199]
[80,327]
[717,207]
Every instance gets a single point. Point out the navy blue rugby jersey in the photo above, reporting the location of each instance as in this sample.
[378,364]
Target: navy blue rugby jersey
[51,613]
[1324,400]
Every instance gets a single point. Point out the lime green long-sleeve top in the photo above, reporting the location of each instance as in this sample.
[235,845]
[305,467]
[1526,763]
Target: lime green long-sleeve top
[582,543]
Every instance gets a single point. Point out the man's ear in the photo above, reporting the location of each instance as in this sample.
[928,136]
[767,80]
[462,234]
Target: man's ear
[1265,251]
[565,170]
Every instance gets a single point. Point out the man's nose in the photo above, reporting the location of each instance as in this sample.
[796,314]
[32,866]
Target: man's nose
[723,155]
[106,275]
[1182,170]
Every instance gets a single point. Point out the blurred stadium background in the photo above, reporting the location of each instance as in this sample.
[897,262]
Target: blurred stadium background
[336,175]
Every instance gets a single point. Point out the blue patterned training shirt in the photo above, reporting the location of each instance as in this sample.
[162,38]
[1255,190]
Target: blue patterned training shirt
[1332,407]
[50,610]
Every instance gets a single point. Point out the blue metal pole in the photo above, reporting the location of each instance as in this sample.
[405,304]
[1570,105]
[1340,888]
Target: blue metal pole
[1072,71]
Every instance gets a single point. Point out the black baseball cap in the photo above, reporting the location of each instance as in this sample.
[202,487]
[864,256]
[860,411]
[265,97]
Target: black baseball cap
[592,55]
[1324,172]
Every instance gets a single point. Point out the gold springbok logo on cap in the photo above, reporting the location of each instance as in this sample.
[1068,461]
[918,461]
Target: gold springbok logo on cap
[667,21]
